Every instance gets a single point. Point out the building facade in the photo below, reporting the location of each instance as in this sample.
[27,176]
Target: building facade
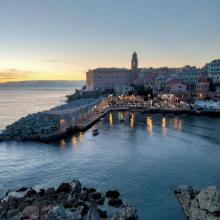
[214,71]
[202,87]
[119,79]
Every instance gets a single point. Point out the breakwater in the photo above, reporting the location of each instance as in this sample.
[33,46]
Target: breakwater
[69,201]
[52,124]
[77,116]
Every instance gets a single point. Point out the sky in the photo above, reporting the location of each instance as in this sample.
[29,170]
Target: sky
[62,39]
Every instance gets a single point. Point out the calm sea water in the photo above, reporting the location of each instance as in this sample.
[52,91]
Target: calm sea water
[144,157]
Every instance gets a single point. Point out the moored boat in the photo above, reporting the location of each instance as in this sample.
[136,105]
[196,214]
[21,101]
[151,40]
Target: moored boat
[95,132]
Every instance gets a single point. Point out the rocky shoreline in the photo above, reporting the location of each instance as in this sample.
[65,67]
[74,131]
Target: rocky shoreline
[69,201]
[199,204]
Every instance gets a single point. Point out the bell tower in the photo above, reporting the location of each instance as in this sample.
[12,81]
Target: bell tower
[134,62]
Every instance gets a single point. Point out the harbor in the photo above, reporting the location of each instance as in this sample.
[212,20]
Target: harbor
[80,115]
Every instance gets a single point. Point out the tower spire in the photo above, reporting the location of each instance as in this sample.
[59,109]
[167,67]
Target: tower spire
[134,62]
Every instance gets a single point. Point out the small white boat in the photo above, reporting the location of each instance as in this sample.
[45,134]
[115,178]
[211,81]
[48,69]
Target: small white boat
[95,132]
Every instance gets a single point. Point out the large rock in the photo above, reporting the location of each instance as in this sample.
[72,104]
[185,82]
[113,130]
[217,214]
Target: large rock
[30,212]
[76,186]
[115,202]
[92,213]
[64,187]
[12,213]
[128,212]
[60,213]
[112,194]
[68,202]
[209,199]
[57,213]
[50,190]
[200,205]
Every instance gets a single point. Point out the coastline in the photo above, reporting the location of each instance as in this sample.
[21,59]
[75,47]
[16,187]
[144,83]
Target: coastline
[67,201]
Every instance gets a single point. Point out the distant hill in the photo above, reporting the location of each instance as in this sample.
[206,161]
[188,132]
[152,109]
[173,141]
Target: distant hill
[45,83]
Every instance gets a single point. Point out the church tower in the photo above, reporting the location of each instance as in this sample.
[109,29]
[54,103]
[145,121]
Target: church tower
[134,63]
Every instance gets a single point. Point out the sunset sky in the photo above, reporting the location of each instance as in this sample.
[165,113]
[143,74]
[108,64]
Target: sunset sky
[62,39]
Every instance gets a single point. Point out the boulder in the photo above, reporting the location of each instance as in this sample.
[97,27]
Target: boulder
[22,189]
[82,196]
[128,212]
[30,212]
[91,190]
[200,205]
[31,193]
[115,216]
[64,187]
[102,214]
[23,204]
[96,195]
[115,202]
[112,194]
[76,186]
[12,213]
[41,192]
[209,199]
[100,201]
[50,190]
[57,213]
[92,213]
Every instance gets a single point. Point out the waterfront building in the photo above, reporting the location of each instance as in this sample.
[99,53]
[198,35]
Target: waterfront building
[214,71]
[173,86]
[118,79]
[175,91]
[188,75]
[202,87]
[122,80]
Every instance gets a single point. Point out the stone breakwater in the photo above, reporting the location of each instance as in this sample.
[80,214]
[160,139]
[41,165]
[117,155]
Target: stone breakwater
[31,127]
[68,201]
[200,204]
[50,125]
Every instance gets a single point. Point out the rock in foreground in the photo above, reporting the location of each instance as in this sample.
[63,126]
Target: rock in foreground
[69,201]
[200,205]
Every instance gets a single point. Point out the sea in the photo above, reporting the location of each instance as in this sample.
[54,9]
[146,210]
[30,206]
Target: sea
[144,156]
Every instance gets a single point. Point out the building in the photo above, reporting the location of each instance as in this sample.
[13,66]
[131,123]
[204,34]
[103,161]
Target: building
[122,80]
[119,79]
[188,75]
[214,71]
[173,86]
[202,87]
[175,91]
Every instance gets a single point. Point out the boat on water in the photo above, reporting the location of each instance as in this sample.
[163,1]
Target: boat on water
[95,132]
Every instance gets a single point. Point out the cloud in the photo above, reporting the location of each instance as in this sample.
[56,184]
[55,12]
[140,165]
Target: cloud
[54,61]
[14,74]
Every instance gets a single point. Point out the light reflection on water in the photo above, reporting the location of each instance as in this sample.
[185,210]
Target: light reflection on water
[149,124]
[163,125]
[143,157]
[110,119]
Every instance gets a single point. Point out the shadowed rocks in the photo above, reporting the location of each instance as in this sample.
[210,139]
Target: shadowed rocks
[67,201]
[199,205]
